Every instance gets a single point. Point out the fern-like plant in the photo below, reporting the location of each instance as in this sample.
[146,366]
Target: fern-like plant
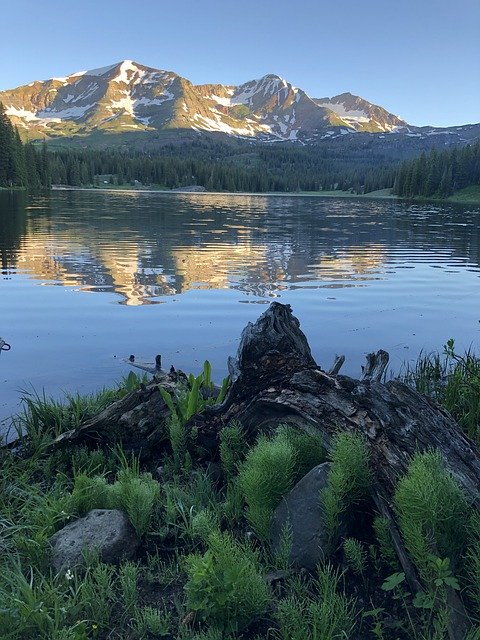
[348,481]
[265,477]
[432,512]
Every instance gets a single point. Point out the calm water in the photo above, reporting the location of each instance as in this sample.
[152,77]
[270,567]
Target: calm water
[89,278]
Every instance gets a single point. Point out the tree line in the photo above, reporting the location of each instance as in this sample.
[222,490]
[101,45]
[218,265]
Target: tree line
[21,165]
[439,173]
[221,167]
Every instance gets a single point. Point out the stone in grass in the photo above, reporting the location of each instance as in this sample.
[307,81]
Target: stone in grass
[302,511]
[106,530]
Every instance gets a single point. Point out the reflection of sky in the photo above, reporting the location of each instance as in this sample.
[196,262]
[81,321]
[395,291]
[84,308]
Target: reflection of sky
[360,276]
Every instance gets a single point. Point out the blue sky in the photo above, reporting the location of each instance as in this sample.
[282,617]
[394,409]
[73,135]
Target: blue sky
[419,59]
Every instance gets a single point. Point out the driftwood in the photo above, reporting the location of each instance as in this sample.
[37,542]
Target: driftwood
[274,379]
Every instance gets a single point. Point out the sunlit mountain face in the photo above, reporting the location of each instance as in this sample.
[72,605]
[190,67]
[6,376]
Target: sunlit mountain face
[130,98]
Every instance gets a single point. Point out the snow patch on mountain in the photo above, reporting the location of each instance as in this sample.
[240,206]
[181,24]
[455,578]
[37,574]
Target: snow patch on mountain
[73,113]
[26,115]
[125,67]
[345,114]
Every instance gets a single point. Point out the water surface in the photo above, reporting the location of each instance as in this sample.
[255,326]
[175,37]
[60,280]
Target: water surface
[89,278]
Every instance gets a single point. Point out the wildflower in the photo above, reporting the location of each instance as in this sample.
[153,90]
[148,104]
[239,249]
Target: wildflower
[68,575]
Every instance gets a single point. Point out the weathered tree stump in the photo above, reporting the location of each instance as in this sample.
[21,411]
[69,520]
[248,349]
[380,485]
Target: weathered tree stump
[274,379]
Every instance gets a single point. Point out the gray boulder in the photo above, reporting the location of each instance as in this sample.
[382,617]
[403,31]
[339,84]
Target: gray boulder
[302,511]
[107,530]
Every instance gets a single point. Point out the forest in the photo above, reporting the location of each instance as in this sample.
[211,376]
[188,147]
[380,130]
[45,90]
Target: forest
[237,166]
[439,174]
[21,165]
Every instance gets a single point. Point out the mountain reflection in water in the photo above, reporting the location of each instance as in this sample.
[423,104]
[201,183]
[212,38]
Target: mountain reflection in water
[360,275]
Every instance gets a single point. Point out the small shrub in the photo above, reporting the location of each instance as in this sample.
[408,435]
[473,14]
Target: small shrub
[138,497]
[348,481]
[432,512]
[204,523]
[225,586]
[89,493]
[136,494]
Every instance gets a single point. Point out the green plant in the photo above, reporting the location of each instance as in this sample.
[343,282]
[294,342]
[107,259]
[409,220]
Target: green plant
[307,448]
[381,527]
[38,606]
[355,555]
[432,512]
[432,605]
[348,480]
[204,523]
[281,558]
[232,449]
[454,381]
[189,400]
[44,418]
[327,617]
[225,586]
[134,492]
[473,560]
[138,496]
[266,475]
[181,502]
[98,595]
[128,578]
[149,620]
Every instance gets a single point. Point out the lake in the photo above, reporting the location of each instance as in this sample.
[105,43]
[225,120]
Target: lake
[89,278]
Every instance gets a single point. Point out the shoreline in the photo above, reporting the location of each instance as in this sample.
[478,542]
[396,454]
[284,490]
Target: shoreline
[373,195]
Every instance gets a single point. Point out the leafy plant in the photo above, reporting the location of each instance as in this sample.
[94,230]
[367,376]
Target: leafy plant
[189,400]
[381,528]
[133,492]
[225,586]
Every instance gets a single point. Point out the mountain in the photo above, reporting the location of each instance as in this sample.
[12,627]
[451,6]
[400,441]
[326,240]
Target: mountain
[131,97]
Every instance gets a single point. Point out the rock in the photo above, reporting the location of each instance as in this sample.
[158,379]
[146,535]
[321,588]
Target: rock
[301,509]
[107,530]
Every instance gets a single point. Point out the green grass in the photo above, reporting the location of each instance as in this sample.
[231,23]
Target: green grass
[201,573]
[469,195]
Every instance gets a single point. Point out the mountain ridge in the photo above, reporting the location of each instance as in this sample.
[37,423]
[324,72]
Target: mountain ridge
[131,97]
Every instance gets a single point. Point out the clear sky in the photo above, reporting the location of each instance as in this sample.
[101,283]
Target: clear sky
[419,59]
